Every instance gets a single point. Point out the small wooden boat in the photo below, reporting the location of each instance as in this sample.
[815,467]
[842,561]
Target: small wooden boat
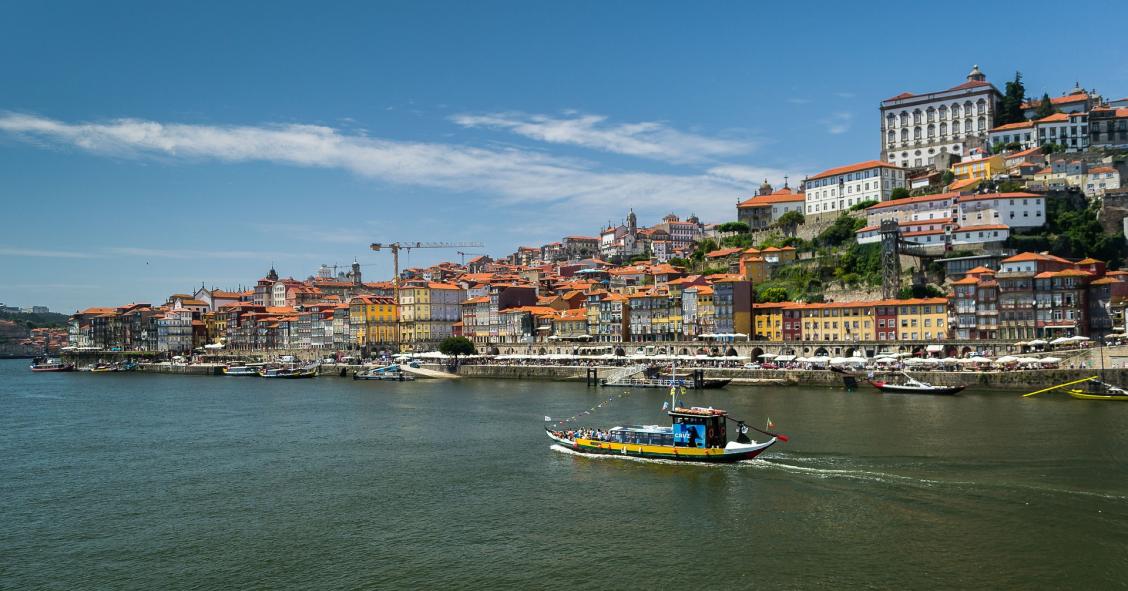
[51,365]
[1083,395]
[914,386]
[695,435]
[1099,390]
[241,370]
[291,373]
[390,373]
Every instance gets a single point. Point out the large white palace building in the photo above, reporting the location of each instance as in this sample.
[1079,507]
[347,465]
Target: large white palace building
[915,128]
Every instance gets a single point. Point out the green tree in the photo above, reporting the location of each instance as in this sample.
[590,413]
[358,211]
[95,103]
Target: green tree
[1010,111]
[840,232]
[899,193]
[1045,107]
[772,294]
[947,177]
[863,204]
[789,222]
[739,227]
[457,346]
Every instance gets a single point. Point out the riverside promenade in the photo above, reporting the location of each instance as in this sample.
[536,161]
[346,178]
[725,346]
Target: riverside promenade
[1025,380]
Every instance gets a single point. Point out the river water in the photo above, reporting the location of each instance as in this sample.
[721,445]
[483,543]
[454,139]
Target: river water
[183,482]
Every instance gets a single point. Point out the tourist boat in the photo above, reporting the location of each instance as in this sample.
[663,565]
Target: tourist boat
[46,365]
[914,386]
[103,368]
[240,370]
[308,371]
[695,435]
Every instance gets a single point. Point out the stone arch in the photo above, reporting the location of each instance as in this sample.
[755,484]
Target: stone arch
[731,352]
[619,352]
[756,353]
[684,351]
[493,351]
[965,351]
[714,351]
[950,351]
[542,351]
[822,352]
[849,352]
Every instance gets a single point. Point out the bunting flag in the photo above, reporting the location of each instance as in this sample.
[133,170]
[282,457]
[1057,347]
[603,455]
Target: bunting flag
[589,411]
[665,405]
[771,425]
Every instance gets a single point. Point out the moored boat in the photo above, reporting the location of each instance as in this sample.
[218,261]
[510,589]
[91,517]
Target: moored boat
[308,371]
[241,370]
[912,385]
[1099,390]
[1083,395]
[390,373]
[696,435]
[51,365]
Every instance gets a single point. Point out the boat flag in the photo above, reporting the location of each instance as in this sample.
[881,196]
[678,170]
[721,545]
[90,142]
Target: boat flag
[547,419]
[665,404]
[771,425]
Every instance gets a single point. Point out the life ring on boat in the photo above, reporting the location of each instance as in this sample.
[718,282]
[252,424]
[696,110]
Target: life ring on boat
[709,434]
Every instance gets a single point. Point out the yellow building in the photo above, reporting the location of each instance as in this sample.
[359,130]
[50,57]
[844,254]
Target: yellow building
[768,323]
[839,321]
[983,168]
[922,318]
[428,311]
[215,325]
[372,321]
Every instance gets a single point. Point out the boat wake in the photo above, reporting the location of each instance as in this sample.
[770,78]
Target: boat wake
[887,478]
[899,479]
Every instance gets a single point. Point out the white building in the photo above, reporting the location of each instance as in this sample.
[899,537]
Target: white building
[951,218]
[1100,179]
[917,127]
[1067,129]
[840,188]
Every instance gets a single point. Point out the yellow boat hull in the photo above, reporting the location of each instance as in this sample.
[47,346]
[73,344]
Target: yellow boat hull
[1082,395]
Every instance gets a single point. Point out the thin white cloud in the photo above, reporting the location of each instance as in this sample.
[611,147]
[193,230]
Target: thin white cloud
[652,140]
[195,254]
[838,123]
[754,175]
[798,100]
[512,175]
[844,95]
[59,254]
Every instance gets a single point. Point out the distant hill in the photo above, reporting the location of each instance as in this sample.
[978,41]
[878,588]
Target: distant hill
[48,320]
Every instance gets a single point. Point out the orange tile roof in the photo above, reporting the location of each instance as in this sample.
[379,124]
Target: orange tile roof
[1025,257]
[1102,169]
[1025,153]
[981,228]
[966,281]
[782,196]
[912,200]
[963,184]
[991,196]
[1055,118]
[980,270]
[852,168]
[1009,126]
[1105,281]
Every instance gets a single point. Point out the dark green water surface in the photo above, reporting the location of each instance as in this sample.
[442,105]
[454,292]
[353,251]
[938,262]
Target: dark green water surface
[133,481]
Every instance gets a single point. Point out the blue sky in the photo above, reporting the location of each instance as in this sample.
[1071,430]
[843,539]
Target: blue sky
[145,150]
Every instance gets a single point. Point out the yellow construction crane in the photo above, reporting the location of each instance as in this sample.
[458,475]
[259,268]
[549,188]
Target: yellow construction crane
[396,247]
